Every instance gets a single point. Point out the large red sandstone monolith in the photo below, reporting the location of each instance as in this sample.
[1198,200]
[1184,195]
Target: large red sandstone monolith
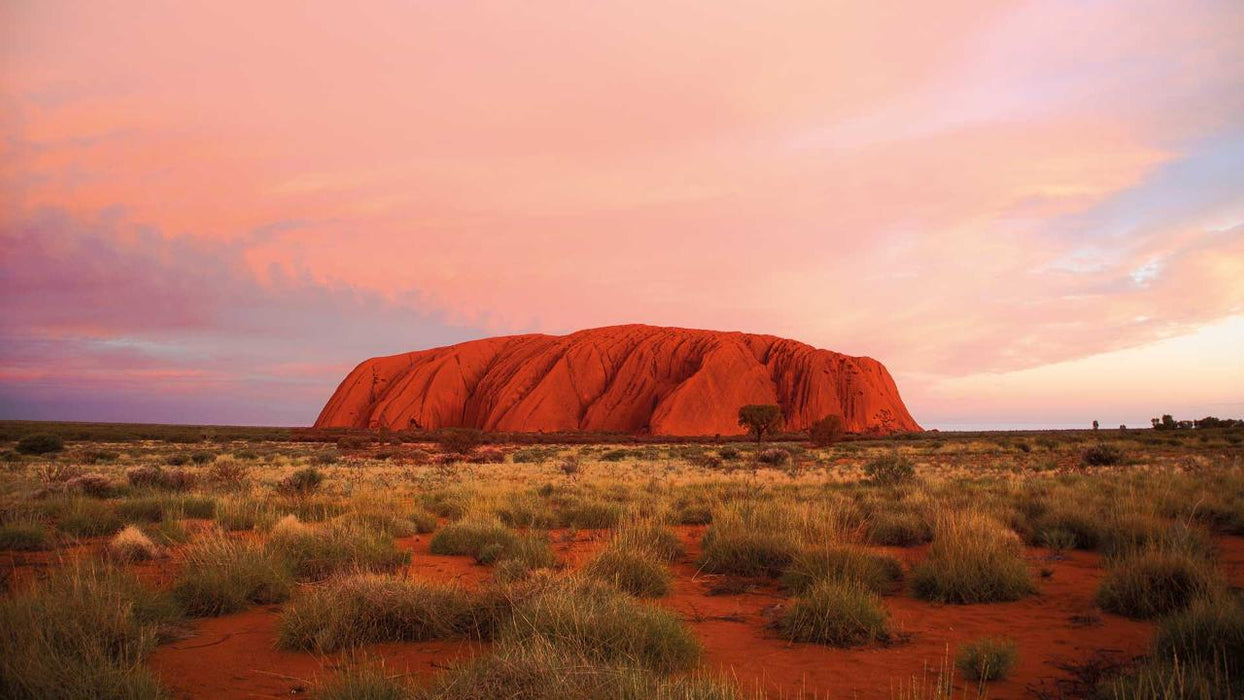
[633,379]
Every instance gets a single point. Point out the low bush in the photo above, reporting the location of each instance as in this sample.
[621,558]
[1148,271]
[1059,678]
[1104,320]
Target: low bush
[890,470]
[541,670]
[592,514]
[604,626]
[223,575]
[773,456]
[1102,455]
[1155,581]
[470,537]
[303,482]
[93,485]
[39,444]
[837,613]
[315,553]
[25,536]
[973,559]
[878,573]
[635,571]
[367,608]
[987,658]
[156,477]
[890,528]
[131,545]
[742,553]
[82,633]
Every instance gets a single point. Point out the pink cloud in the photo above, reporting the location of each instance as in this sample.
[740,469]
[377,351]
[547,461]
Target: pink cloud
[957,189]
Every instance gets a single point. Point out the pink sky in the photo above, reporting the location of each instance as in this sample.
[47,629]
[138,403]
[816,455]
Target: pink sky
[1030,212]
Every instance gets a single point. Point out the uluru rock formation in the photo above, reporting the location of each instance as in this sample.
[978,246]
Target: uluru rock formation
[632,379]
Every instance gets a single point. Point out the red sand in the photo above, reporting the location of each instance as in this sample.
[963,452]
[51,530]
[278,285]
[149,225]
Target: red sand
[634,379]
[235,656]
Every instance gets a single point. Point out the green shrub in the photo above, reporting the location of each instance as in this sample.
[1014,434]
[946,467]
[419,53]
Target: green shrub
[1102,455]
[987,658]
[605,626]
[315,553]
[635,571]
[82,633]
[1155,581]
[741,553]
[365,682]
[837,613]
[40,444]
[973,559]
[84,517]
[303,482]
[140,510]
[898,529]
[541,670]
[28,536]
[654,538]
[1208,635]
[878,573]
[367,608]
[590,515]
[223,575]
[470,537]
[890,470]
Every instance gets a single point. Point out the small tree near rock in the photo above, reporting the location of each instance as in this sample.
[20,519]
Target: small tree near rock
[761,419]
[826,431]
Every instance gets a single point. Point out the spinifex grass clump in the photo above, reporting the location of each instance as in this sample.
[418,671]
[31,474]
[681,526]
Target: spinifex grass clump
[652,537]
[1156,580]
[762,539]
[471,537]
[631,569]
[131,545]
[837,613]
[224,575]
[898,528]
[363,608]
[876,572]
[25,535]
[317,552]
[83,517]
[82,633]
[365,681]
[987,658]
[1207,636]
[541,670]
[590,514]
[973,559]
[604,626]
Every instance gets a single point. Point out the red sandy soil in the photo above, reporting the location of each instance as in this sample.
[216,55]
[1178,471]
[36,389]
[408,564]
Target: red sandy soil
[664,381]
[236,656]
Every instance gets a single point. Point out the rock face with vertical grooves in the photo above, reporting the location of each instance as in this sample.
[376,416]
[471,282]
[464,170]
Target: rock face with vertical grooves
[631,379]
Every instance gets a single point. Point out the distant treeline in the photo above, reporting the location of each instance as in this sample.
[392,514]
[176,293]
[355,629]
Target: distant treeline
[1167,422]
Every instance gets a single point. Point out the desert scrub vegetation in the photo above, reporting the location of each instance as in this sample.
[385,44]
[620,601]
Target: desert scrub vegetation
[131,545]
[363,608]
[315,552]
[365,680]
[836,613]
[222,575]
[603,625]
[878,573]
[898,528]
[987,658]
[890,470]
[82,633]
[25,535]
[762,538]
[973,559]
[634,570]
[542,670]
[1155,580]
[471,537]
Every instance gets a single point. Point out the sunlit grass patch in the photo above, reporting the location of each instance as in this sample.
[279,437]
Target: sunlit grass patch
[222,575]
[837,613]
[973,559]
[878,573]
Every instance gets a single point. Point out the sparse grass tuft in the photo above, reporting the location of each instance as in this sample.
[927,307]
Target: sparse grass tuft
[224,575]
[973,559]
[987,658]
[131,545]
[837,613]
[605,626]
[635,571]
[878,573]
[365,608]
[1155,581]
[82,633]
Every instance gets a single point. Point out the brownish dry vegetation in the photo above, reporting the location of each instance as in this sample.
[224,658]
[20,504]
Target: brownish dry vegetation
[148,561]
